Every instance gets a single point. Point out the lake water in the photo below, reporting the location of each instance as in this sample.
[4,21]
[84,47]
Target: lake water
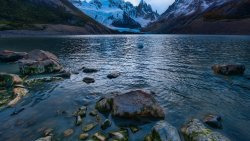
[177,68]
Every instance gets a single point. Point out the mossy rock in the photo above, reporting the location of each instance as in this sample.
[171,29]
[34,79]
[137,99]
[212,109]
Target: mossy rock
[195,130]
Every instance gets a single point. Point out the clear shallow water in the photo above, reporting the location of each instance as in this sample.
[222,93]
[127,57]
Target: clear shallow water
[176,67]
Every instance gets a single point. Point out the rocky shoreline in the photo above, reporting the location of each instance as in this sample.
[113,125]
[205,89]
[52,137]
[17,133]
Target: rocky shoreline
[133,105]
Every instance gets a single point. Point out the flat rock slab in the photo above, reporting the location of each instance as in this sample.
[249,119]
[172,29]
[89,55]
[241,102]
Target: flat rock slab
[136,104]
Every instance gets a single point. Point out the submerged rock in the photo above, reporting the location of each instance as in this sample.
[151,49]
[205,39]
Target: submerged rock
[48,138]
[106,124]
[136,104]
[121,135]
[213,121]
[163,131]
[99,136]
[104,105]
[88,80]
[134,129]
[195,130]
[113,75]
[39,61]
[82,111]
[229,69]
[80,114]
[68,132]
[93,113]
[48,132]
[11,56]
[89,127]
[83,136]
[78,120]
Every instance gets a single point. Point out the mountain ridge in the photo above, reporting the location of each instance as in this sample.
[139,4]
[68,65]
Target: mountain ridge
[42,15]
[213,19]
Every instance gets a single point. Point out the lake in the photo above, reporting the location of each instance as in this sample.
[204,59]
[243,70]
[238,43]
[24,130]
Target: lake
[177,68]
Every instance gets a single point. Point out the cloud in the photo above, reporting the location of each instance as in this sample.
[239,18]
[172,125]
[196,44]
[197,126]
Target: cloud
[159,5]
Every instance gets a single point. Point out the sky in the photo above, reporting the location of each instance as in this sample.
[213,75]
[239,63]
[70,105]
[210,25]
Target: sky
[159,5]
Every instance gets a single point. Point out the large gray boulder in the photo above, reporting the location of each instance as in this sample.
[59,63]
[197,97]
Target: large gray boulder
[134,104]
[38,62]
[11,56]
[195,130]
[229,69]
[163,131]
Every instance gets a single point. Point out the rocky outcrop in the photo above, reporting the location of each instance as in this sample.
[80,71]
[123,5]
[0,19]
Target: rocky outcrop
[38,62]
[229,69]
[11,85]
[163,131]
[195,130]
[11,56]
[134,104]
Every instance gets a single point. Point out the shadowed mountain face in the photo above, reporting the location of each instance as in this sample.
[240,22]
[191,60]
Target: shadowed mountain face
[44,15]
[204,17]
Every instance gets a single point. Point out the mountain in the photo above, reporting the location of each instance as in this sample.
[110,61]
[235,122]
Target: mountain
[204,17]
[118,14]
[50,16]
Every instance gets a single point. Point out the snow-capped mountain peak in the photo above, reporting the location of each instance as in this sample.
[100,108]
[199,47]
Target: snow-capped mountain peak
[118,14]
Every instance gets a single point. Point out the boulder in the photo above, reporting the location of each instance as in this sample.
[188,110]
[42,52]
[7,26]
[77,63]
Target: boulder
[136,104]
[88,80]
[11,56]
[38,62]
[163,131]
[195,130]
[229,69]
[213,121]
[113,75]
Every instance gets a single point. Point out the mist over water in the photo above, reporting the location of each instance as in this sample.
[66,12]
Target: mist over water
[177,68]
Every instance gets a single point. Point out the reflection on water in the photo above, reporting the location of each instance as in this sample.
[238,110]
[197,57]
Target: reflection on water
[177,68]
